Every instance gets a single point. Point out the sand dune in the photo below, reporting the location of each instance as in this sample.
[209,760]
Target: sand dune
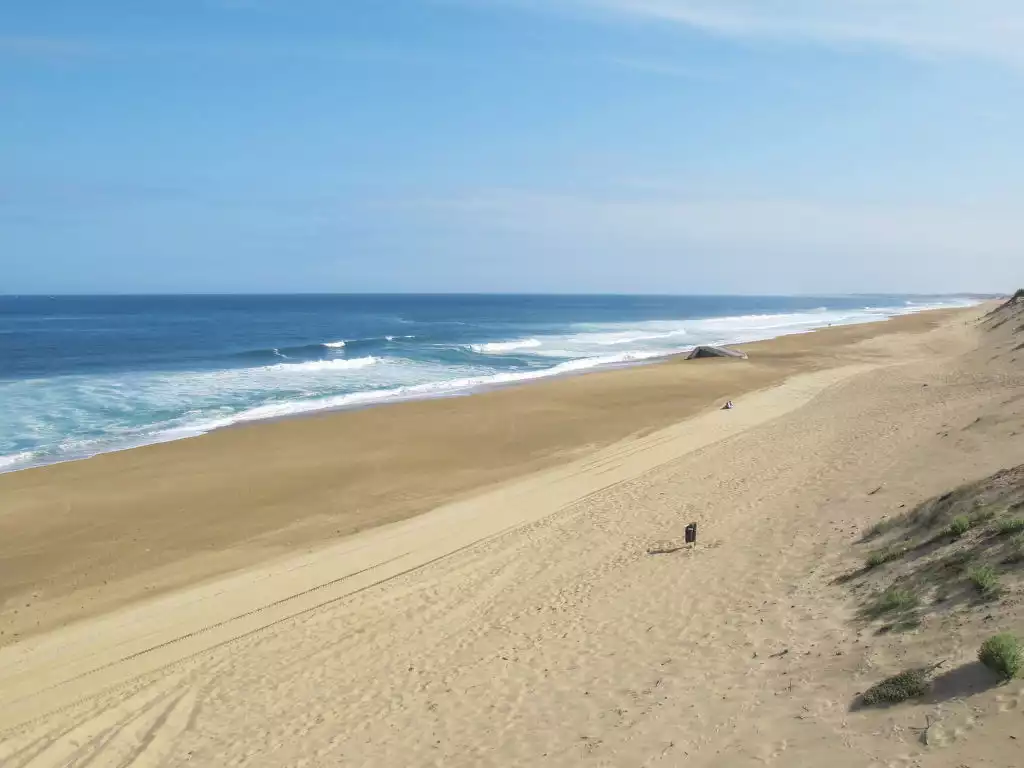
[525,622]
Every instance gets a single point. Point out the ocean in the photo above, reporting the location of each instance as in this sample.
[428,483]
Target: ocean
[81,375]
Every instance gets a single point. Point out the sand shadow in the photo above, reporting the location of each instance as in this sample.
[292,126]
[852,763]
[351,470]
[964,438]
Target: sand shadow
[666,549]
[959,683]
[846,578]
[962,682]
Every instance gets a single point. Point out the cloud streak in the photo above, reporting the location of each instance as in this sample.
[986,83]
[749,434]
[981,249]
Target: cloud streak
[765,245]
[986,29]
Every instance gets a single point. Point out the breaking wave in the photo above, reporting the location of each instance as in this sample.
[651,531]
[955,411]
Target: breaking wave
[500,347]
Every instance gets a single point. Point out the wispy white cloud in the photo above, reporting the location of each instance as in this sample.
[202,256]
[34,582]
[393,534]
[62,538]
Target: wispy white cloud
[991,29]
[735,245]
[787,223]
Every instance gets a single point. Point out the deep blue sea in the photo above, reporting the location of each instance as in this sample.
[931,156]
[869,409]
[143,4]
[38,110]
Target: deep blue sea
[81,375]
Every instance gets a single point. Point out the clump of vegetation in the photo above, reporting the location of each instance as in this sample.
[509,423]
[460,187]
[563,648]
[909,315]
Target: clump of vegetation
[892,690]
[985,580]
[884,525]
[960,525]
[983,515]
[1016,549]
[958,561]
[882,556]
[1009,525]
[1003,654]
[965,545]
[892,600]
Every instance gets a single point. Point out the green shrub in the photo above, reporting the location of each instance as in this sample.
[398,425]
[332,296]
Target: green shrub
[1003,654]
[894,599]
[1010,525]
[959,526]
[892,690]
[882,556]
[985,580]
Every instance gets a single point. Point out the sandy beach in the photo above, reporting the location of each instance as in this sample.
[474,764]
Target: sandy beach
[81,538]
[498,579]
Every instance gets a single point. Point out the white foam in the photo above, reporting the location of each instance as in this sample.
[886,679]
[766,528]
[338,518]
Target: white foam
[605,360]
[655,338]
[14,459]
[434,388]
[326,365]
[556,352]
[500,347]
[627,337]
[334,344]
[670,337]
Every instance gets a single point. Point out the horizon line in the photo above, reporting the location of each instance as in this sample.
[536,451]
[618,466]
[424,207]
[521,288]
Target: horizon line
[219,294]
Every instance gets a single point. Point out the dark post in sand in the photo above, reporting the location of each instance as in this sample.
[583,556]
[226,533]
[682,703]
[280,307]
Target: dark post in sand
[691,533]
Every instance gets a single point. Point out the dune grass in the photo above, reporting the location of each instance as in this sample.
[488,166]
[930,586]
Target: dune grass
[1016,549]
[1010,525]
[906,685]
[1003,654]
[983,515]
[985,580]
[882,556]
[893,600]
[884,525]
[960,525]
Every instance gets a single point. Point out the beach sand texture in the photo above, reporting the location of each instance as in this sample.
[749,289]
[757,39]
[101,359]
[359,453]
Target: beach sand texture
[307,615]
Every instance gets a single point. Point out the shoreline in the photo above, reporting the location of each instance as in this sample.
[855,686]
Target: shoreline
[389,397]
[85,537]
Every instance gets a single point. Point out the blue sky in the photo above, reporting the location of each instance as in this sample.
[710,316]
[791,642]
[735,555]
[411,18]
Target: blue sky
[753,146]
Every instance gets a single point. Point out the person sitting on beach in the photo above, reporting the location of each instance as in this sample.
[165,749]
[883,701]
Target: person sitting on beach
[727,406]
